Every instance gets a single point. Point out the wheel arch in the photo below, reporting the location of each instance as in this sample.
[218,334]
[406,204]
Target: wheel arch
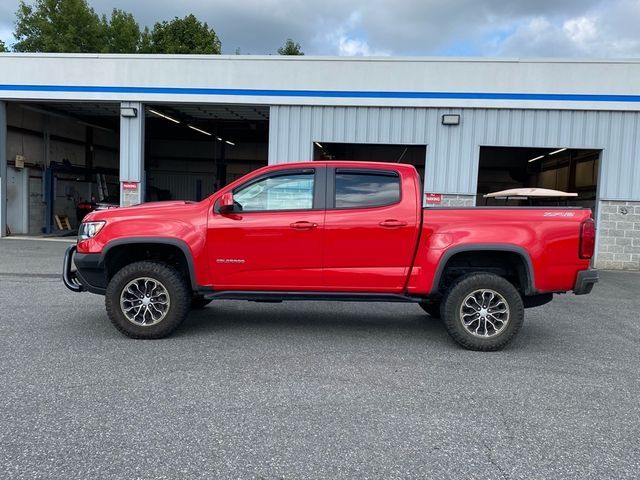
[119,253]
[508,253]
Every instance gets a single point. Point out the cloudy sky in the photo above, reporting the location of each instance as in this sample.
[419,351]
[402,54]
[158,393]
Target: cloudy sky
[523,28]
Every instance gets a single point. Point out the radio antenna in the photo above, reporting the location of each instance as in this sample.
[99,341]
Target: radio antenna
[403,154]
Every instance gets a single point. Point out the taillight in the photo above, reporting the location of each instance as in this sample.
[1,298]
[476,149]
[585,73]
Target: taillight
[587,238]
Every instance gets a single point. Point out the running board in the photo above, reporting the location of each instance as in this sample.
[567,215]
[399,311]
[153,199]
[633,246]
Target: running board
[259,296]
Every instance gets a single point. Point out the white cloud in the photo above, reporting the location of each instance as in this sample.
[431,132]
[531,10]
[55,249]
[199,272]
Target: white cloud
[353,46]
[534,38]
[599,32]
[346,38]
[580,30]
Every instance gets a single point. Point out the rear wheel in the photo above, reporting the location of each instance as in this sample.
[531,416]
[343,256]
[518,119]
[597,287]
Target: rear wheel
[147,300]
[482,311]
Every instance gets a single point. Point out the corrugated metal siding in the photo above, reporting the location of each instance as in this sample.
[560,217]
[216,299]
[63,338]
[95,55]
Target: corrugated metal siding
[453,151]
[132,145]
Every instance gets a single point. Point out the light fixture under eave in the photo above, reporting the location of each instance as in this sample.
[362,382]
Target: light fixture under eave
[557,151]
[219,139]
[199,130]
[129,112]
[230,143]
[319,146]
[536,158]
[167,117]
[451,119]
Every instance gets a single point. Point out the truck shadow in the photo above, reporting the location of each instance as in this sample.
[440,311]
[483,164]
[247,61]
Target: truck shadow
[376,321]
[313,317]
[406,324]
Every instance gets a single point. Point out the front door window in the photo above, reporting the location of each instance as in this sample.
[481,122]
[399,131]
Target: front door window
[278,192]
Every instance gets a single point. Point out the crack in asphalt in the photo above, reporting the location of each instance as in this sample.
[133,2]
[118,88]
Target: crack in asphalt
[493,460]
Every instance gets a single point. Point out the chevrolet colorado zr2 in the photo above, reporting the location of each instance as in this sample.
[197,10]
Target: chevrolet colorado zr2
[334,230]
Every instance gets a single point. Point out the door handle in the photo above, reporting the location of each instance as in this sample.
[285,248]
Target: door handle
[393,224]
[303,225]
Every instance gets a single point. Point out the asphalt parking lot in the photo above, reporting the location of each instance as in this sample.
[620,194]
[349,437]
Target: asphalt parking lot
[311,390]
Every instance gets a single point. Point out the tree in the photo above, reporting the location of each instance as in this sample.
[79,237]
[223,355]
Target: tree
[73,26]
[122,33]
[58,26]
[290,48]
[180,35]
[146,45]
[3,47]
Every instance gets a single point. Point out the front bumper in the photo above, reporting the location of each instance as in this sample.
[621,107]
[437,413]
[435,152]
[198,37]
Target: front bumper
[585,281]
[89,275]
[70,276]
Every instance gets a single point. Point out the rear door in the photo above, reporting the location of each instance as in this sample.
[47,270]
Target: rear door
[273,238]
[371,229]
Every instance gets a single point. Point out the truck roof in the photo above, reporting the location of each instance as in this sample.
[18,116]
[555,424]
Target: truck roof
[344,164]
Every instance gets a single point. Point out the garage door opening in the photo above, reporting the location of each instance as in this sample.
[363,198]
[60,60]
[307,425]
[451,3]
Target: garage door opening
[193,150]
[62,159]
[566,169]
[373,152]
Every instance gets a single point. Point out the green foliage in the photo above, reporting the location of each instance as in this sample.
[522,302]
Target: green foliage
[180,35]
[3,47]
[145,41]
[58,26]
[73,26]
[290,48]
[122,33]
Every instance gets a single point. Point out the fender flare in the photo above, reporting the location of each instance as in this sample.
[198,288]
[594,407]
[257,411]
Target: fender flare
[484,247]
[174,242]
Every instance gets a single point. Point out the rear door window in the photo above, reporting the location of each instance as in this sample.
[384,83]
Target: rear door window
[365,189]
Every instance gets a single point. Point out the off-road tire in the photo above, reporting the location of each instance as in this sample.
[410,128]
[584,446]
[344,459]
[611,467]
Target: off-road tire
[455,296]
[177,290]
[431,308]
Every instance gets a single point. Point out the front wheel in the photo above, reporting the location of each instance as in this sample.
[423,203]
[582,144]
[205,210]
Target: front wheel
[147,300]
[482,311]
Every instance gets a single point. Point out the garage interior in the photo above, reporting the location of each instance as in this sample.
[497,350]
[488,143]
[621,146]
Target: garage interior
[193,150]
[59,156]
[566,169]
[63,157]
[409,154]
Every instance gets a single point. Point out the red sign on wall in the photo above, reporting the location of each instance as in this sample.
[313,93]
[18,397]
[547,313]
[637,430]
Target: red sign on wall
[130,194]
[433,198]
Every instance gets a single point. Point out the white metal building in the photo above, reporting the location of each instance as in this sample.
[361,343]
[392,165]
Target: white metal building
[156,127]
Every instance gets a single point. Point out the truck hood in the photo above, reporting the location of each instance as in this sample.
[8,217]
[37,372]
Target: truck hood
[142,210]
[167,203]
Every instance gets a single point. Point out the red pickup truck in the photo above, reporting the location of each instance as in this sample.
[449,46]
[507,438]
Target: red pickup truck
[352,231]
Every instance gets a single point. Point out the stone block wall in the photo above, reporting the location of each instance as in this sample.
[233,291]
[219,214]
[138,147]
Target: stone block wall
[456,201]
[619,235]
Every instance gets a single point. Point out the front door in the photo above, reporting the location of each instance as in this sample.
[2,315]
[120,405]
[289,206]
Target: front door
[272,240]
[371,229]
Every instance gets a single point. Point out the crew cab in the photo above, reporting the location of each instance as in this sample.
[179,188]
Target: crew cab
[334,230]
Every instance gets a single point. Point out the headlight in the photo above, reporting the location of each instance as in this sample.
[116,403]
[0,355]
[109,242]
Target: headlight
[89,230]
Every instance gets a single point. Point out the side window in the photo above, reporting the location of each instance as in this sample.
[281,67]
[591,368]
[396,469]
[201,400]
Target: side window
[363,189]
[278,192]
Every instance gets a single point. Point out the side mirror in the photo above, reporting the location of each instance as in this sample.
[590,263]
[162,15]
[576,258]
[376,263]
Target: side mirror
[226,203]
